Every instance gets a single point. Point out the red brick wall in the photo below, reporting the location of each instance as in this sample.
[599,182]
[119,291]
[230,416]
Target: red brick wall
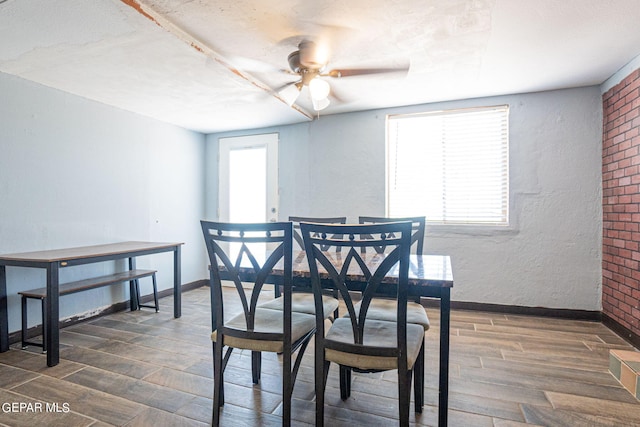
[621,204]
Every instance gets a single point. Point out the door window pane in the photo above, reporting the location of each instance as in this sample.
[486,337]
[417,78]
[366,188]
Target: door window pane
[247,185]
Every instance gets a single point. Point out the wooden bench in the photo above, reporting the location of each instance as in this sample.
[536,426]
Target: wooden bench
[83,285]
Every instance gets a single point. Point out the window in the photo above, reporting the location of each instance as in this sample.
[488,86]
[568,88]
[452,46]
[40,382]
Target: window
[450,166]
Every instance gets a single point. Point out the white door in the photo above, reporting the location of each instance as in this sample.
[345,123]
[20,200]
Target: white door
[248,178]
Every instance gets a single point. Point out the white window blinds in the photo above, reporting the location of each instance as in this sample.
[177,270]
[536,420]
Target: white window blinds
[451,166]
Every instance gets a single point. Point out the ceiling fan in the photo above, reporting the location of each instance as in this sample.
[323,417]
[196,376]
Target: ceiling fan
[309,62]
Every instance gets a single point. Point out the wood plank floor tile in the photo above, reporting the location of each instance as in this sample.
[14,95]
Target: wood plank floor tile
[500,376]
[199,409]
[628,413]
[11,376]
[586,361]
[557,417]
[35,412]
[505,393]
[509,423]
[182,381]
[86,401]
[101,332]
[73,339]
[535,335]
[109,362]
[234,416]
[145,354]
[178,346]
[131,389]
[156,417]
[545,370]
[37,363]
[485,405]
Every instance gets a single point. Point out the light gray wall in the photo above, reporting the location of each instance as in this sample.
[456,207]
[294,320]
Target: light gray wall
[550,255]
[75,172]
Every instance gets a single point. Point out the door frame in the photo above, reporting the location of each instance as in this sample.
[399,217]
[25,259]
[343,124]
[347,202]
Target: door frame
[228,144]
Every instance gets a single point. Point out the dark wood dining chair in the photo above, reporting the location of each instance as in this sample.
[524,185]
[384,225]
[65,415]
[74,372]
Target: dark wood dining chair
[418,227]
[385,309]
[319,220]
[259,247]
[302,301]
[355,342]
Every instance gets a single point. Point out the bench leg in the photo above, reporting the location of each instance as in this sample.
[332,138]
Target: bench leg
[155,291]
[25,322]
[155,294]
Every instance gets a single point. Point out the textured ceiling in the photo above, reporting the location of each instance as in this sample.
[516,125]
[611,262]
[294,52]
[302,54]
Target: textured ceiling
[212,65]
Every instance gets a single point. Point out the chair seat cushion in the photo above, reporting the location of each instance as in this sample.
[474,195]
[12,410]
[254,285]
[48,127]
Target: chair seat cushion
[377,333]
[304,303]
[387,309]
[267,321]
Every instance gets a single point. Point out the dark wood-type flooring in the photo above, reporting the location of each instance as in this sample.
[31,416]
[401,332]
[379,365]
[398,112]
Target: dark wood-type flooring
[147,369]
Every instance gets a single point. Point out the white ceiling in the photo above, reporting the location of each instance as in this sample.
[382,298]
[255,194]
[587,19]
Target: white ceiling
[211,65]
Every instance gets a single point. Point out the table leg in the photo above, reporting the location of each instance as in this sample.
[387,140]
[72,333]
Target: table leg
[4,316]
[177,284]
[445,327]
[53,314]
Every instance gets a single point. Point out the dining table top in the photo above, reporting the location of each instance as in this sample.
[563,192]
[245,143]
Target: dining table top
[424,270]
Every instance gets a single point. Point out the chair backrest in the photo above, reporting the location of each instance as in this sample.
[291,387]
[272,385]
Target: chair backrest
[254,249]
[377,273]
[418,229]
[322,220]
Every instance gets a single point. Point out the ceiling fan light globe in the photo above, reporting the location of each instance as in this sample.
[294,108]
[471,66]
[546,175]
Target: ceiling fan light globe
[290,93]
[319,89]
[320,104]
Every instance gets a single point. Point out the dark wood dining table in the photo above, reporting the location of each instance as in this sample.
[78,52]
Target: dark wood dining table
[53,260]
[429,276]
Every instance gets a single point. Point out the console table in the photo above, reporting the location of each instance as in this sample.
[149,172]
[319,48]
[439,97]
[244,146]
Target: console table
[54,260]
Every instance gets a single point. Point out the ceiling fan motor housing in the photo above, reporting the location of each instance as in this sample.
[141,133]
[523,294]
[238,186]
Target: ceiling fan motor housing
[309,55]
[294,61]
[306,57]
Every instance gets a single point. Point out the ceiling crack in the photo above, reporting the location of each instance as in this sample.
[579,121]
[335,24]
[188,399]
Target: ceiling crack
[164,23]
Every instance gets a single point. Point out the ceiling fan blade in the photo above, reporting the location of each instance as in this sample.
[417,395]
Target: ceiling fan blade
[254,65]
[337,96]
[349,72]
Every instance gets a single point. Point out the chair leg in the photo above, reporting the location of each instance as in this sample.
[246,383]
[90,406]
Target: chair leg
[218,383]
[321,375]
[224,366]
[256,362]
[418,381]
[404,396]
[287,388]
[345,382]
